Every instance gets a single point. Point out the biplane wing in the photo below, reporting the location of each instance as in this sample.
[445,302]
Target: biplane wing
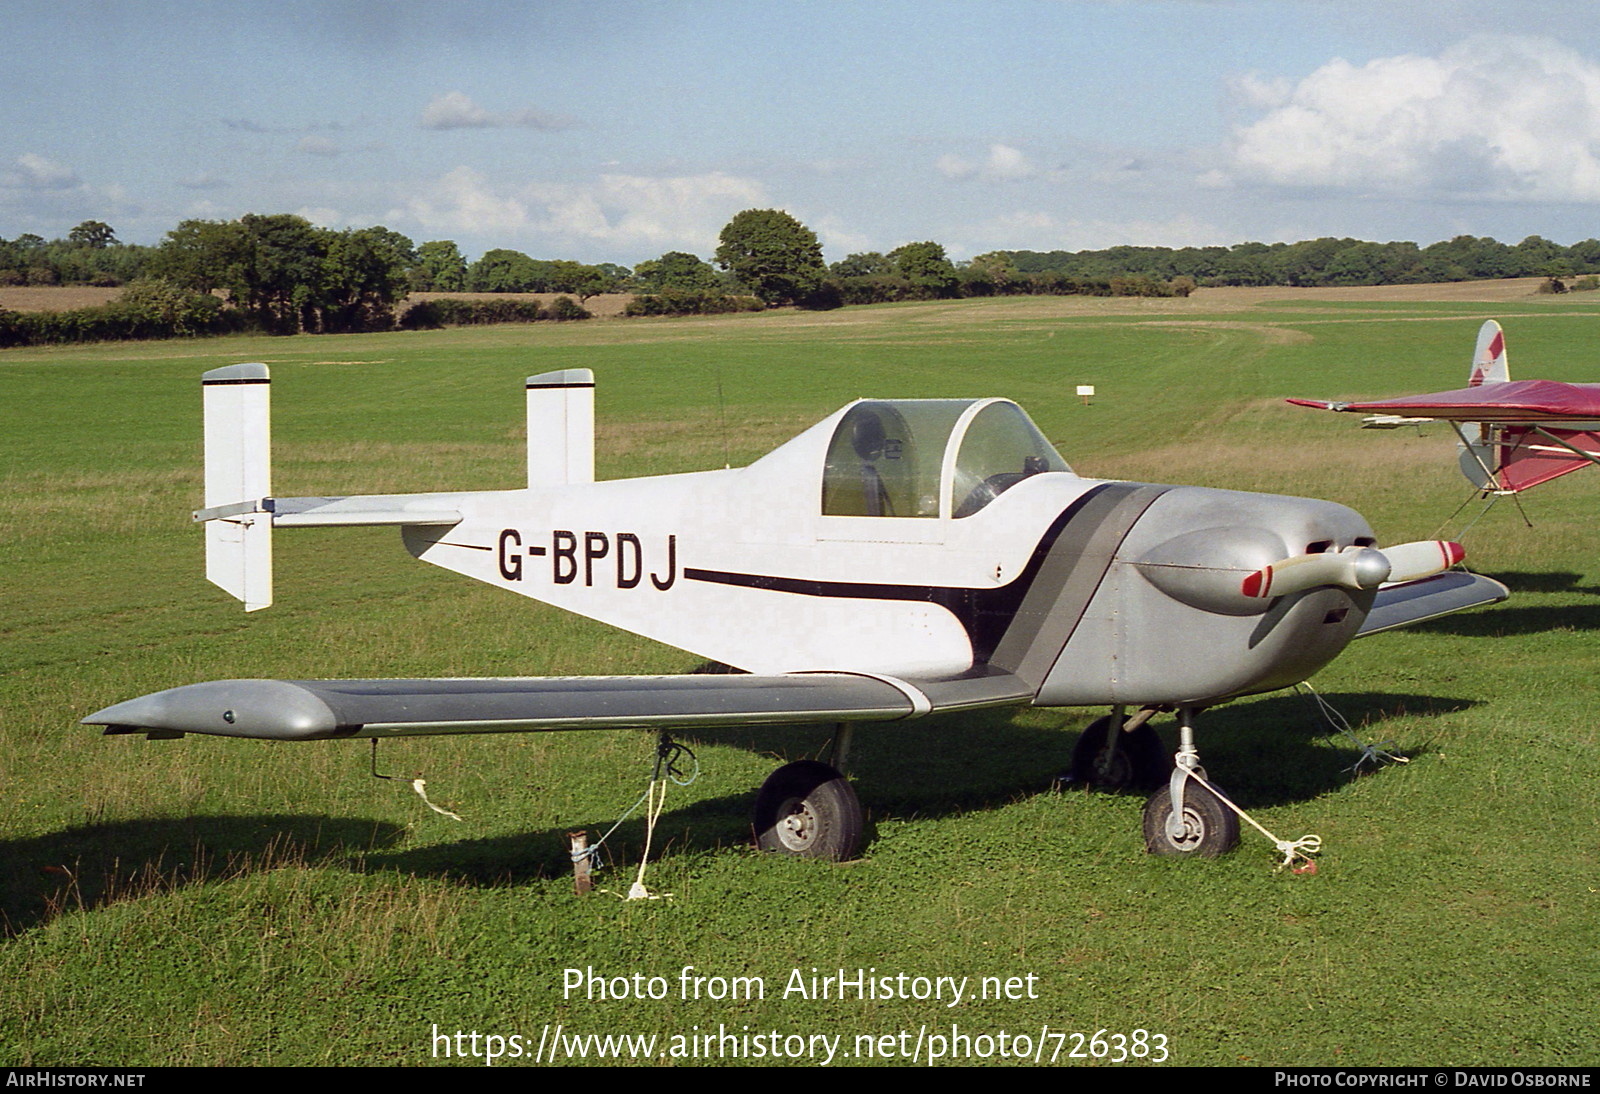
[1511,402]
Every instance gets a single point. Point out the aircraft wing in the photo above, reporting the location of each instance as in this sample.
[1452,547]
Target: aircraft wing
[304,710]
[1509,402]
[1409,602]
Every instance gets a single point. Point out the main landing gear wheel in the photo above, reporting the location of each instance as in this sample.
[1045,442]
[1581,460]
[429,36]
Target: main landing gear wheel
[808,809]
[1210,828]
[1135,759]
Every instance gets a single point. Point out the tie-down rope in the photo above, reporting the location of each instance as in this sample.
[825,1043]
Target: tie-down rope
[666,769]
[1302,848]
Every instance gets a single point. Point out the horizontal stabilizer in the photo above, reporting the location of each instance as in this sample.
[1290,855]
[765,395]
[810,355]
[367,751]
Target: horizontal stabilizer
[318,709]
[363,510]
[1430,598]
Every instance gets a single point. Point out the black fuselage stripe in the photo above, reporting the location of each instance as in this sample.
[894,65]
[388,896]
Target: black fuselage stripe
[986,614]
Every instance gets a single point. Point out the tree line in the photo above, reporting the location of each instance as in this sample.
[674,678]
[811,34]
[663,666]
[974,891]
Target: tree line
[275,273]
[281,274]
[1328,261]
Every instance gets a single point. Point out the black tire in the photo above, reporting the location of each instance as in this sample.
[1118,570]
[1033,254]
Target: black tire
[810,810]
[1211,828]
[1137,762]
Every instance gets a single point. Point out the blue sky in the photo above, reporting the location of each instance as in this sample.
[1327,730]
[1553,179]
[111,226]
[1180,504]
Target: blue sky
[613,132]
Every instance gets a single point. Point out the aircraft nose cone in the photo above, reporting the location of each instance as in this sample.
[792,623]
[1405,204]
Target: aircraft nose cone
[1369,568]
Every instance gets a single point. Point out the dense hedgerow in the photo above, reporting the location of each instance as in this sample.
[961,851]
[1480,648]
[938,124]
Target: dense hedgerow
[145,309]
[564,309]
[686,302]
[468,313]
[450,312]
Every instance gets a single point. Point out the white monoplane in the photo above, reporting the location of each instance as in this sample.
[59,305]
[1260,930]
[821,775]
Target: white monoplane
[901,558]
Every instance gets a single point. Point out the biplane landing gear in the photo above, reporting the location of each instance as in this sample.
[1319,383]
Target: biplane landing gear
[1110,759]
[808,809]
[1200,823]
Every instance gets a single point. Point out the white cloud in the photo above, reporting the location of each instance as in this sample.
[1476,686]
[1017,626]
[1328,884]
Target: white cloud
[635,209]
[1003,164]
[648,215]
[320,215]
[837,239]
[463,201]
[1499,118]
[454,110]
[43,192]
[1262,92]
[34,172]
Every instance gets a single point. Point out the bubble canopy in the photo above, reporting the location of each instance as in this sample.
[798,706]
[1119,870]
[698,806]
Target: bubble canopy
[930,458]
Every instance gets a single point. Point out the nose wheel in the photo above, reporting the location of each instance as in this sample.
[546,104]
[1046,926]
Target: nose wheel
[1184,817]
[810,810]
[1205,828]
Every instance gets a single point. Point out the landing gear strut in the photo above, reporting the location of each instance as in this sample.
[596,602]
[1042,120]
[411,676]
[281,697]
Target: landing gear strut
[1183,817]
[1114,753]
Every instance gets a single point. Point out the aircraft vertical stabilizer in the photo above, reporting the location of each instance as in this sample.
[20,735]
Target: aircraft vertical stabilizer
[1480,456]
[561,427]
[238,444]
[1489,364]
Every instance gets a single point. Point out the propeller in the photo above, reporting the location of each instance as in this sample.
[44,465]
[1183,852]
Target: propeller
[1354,568]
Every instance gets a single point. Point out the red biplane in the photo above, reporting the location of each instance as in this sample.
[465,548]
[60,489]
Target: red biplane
[1515,434]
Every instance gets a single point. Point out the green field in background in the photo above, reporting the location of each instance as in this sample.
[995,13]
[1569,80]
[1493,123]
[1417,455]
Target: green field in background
[210,901]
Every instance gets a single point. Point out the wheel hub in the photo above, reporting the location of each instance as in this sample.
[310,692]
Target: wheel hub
[798,826]
[1111,767]
[1193,832]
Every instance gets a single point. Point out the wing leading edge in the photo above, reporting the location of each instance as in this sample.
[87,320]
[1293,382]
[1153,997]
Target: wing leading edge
[306,710]
[1412,602]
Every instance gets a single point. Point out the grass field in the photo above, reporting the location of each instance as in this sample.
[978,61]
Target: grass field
[206,901]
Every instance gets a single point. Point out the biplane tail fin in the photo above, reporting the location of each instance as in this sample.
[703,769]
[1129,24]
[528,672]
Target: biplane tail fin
[1489,358]
[1482,455]
[241,511]
[238,454]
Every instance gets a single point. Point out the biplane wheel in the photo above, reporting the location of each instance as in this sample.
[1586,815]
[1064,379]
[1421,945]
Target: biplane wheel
[1138,759]
[808,809]
[1210,828]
